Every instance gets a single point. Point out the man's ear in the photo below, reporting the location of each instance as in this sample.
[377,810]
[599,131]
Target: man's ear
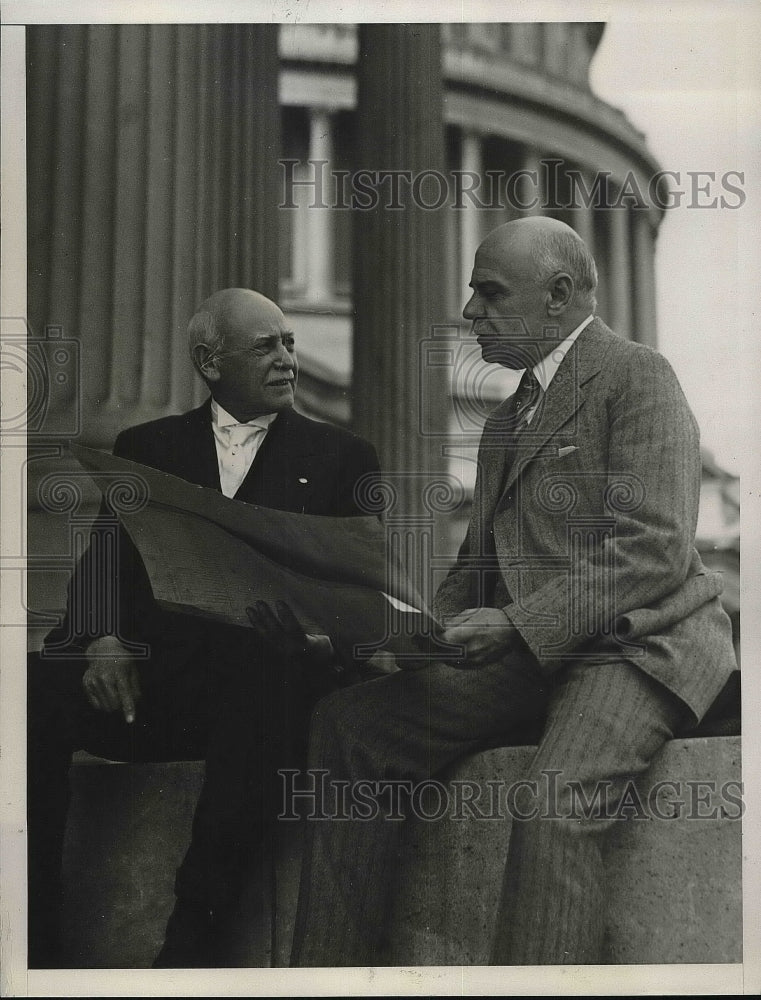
[559,293]
[206,362]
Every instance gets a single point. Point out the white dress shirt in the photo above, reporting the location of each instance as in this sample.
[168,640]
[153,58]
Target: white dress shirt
[237,445]
[546,369]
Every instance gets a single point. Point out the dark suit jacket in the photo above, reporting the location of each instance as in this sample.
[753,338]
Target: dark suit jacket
[303,465]
[592,520]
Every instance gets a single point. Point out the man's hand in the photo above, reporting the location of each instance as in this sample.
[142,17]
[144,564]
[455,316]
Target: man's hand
[111,680]
[486,633]
[285,637]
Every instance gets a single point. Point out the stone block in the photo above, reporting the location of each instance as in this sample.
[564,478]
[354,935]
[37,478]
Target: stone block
[675,883]
[129,827]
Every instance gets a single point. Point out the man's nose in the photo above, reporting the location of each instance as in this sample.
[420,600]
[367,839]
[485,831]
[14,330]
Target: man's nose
[286,358]
[471,309]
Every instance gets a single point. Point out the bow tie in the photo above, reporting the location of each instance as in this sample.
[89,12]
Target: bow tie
[239,434]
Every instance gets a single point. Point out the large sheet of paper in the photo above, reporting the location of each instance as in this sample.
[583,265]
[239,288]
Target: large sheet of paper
[209,555]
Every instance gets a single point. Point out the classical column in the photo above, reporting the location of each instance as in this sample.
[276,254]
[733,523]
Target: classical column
[42,56]
[157,233]
[97,205]
[248,100]
[531,190]
[470,222]
[556,43]
[400,400]
[620,270]
[185,295]
[152,181]
[127,283]
[582,215]
[643,241]
[319,216]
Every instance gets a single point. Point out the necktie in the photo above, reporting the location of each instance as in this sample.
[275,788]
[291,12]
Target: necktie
[526,398]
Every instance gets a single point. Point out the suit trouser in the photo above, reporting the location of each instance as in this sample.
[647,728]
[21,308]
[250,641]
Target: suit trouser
[223,704]
[604,723]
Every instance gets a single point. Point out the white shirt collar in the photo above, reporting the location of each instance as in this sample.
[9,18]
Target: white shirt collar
[546,369]
[221,418]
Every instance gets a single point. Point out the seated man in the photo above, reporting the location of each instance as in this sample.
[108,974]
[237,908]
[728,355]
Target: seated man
[203,690]
[580,602]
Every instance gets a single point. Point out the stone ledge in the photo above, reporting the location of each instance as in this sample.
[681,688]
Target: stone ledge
[676,896]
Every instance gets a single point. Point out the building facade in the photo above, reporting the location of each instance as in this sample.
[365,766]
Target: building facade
[523,133]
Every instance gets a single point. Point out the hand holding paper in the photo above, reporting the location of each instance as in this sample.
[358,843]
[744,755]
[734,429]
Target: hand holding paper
[285,636]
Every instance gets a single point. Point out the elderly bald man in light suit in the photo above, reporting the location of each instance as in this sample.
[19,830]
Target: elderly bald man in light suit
[579,598]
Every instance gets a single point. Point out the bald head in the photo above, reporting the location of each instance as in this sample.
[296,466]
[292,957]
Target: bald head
[533,282]
[229,311]
[547,247]
[242,348]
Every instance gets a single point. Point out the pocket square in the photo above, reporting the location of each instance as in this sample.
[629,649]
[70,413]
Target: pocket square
[562,452]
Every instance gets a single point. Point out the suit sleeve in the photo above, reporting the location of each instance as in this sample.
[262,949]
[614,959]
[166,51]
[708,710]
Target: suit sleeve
[456,592]
[461,588]
[653,441]
[359,471]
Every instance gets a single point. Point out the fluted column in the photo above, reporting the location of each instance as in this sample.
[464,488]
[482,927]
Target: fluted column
[128,234]
[400,402]
[531,190]
[582,217]
[620,270]
[470,221]
[42,56]
[157,232]
[643,242]
[319,219]
[260,126]
[152,181]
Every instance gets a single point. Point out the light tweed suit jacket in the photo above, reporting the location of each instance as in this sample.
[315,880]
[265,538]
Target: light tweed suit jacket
[590,516]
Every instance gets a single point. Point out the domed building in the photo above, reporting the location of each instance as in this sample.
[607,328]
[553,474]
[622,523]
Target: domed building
[523,133]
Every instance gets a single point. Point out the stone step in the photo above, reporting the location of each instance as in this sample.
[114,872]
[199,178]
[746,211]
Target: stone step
[675,895]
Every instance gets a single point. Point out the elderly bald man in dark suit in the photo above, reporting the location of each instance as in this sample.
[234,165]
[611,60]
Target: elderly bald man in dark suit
[579,598]
[202,692]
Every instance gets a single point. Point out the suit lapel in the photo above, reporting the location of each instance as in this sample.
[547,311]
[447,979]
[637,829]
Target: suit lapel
[563,399]
[196,453]
[277,466]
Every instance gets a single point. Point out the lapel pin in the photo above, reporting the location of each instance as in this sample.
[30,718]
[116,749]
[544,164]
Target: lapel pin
[303,479]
